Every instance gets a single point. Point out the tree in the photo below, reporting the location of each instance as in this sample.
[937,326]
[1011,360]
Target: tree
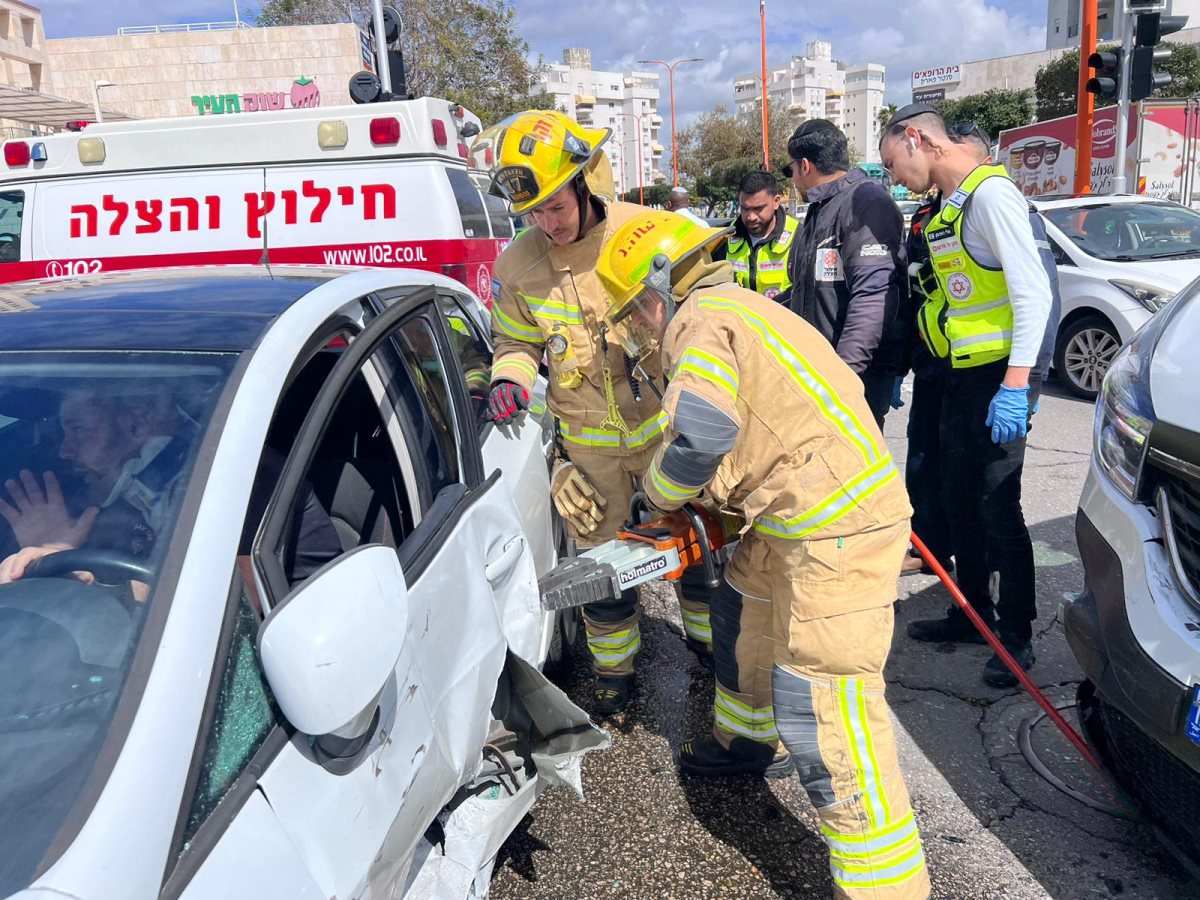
[993,110]
[717,152]
[1057,83]
[464,50]
[656,195]
[885,114]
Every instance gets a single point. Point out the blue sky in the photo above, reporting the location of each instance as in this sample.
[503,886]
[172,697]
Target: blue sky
[724,32]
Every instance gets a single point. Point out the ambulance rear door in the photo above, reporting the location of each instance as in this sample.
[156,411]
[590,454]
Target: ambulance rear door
[16,254]
[106,223]
[383,214]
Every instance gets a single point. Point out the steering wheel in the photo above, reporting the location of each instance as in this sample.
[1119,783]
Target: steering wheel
[108,566]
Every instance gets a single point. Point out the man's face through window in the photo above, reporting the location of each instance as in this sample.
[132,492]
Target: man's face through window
[96,441]
[758,212]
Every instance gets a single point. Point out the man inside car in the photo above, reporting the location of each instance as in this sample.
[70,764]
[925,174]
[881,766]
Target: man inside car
[129,447]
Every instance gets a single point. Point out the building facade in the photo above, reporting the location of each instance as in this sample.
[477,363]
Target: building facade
[626,102]
[1062,20]
[222,68]
[817,86]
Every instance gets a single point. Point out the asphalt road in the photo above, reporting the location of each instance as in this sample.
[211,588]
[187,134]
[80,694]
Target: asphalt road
[993,828]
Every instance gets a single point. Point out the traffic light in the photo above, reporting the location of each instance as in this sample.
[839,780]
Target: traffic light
[1105,82]
[1149,30]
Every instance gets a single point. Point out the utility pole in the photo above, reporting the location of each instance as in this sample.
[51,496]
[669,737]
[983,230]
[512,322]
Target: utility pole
[1085,102]
[1126,26]
[766,103]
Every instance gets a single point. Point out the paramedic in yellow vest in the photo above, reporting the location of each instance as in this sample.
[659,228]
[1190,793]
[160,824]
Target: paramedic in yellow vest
[762,237]
[764,414]
[547,301]
[990,310]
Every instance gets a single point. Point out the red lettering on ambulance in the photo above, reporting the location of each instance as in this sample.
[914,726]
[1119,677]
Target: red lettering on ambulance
[150,214]
[190,206]
[120,211]
[257,207]
[322,195]
[83,220]
[371,193]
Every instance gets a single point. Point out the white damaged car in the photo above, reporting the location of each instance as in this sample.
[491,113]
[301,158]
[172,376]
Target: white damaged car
[269,611]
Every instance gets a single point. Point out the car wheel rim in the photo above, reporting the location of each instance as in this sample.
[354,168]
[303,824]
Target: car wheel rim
[1087,357]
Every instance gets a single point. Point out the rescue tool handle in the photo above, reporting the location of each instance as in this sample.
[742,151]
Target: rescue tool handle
[638,503]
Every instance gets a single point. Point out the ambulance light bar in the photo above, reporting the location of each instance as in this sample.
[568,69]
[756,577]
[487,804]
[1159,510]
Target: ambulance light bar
[16,153]
[91,150]
[333,135]
[439,132]
[385,131]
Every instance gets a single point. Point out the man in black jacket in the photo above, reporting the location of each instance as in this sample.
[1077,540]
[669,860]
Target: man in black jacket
[848,268]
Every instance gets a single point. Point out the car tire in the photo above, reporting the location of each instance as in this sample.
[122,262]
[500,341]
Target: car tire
[1084,351]
[567,639]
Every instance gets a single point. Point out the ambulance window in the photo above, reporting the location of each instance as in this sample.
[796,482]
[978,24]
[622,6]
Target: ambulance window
[502,225]
[470,204]
[12,207]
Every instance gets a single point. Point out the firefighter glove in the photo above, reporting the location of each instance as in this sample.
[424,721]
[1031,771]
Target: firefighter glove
[506,401]
[576,500]
[1008,414]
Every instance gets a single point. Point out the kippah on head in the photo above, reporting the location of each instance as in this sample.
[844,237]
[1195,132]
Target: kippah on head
[679,190]
[911,111]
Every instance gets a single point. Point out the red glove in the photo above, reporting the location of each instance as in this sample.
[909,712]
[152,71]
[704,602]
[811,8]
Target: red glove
[507,400]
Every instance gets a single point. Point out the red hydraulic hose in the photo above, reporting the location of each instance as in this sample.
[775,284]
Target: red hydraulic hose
[990,636]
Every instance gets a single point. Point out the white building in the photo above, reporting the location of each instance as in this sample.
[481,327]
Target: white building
[625,102]
[1062,20]
[817,86]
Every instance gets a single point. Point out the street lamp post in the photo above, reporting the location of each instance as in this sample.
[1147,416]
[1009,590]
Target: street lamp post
[762,24]
[671,82]
[96,85]
[637,117]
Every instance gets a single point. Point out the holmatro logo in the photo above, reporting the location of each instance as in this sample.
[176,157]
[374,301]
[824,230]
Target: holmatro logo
[646,568]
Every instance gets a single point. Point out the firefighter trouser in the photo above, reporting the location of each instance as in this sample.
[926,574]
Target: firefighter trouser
[833,629]
[743,651]
[612,628]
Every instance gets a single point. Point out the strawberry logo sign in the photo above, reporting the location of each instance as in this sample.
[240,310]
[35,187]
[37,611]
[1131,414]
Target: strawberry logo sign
[960,286]
[305,93]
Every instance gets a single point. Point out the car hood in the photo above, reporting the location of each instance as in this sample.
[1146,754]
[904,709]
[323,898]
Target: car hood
[1172,274]
[1175,369]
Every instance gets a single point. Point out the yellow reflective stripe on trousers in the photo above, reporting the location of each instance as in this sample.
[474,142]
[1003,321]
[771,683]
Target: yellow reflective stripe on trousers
[613,649]
[894,871]
[805,376]
[852,707]
[514,329]
[879,842]
[669,488]
[520,366]
[554,310]
[697,625]
[757,724]
[710,368]
[586,436]
[833,507]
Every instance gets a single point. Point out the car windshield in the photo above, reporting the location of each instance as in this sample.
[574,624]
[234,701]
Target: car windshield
[1127,232]
[96,453]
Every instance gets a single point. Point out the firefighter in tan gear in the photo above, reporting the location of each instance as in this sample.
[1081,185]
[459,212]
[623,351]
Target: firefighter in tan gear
[548,301]
[764,414]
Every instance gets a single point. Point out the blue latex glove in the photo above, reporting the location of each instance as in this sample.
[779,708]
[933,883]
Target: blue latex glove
[1008,414]
[897,400]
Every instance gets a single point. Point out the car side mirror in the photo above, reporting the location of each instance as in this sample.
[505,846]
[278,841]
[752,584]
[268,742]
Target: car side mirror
[330,647]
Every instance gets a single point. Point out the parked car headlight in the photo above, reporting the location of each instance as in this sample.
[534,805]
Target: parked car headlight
[1124,415]
[1151,297]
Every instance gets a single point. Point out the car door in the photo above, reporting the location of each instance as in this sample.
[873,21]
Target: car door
[356,820]
[522,451]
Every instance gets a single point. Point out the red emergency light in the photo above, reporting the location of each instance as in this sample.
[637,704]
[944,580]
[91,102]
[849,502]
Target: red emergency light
[439,132]
[385,131]
[76,124]
[16,153]
[488,156]
[462,150]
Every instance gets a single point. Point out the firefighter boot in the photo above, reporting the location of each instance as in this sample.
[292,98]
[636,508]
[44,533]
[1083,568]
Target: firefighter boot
[706,757]
[611,695]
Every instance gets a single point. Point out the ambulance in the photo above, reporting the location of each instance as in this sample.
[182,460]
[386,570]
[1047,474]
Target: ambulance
[382,184]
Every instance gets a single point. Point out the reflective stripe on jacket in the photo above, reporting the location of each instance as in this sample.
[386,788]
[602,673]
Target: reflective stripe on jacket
[763,412]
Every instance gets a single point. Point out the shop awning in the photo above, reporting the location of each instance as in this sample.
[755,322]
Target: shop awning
[46,110]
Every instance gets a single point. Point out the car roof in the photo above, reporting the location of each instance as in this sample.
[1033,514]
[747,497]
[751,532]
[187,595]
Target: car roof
[191,308]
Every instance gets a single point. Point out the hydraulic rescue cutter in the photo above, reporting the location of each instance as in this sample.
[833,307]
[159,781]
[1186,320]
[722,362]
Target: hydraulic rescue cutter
[661,548]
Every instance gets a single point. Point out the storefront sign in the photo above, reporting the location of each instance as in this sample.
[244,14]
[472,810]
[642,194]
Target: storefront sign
[303,95]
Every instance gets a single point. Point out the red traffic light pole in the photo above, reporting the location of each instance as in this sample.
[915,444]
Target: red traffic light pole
[1086,102]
